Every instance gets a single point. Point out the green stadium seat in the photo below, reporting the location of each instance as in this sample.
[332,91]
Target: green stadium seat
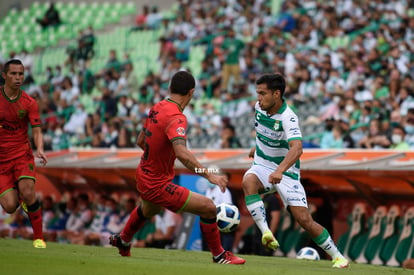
[355,233]
[391,236]
[405,241]
[375,235]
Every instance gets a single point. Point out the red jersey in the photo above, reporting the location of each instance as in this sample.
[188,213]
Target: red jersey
[15,116]
[164,124]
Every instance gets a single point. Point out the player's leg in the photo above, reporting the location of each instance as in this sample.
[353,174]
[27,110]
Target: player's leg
[135,222]
[26,186]
[9,200]
[252,185]
[206,209]
[8,193]
[319,235]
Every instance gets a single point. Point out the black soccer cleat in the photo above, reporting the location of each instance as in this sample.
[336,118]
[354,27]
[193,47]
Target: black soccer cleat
[124,249]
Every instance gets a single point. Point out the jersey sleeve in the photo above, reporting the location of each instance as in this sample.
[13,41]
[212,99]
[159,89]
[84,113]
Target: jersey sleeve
[291,127]
[177,128]
[33,114]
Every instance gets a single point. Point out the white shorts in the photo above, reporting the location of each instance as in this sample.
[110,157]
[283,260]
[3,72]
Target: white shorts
[291,191]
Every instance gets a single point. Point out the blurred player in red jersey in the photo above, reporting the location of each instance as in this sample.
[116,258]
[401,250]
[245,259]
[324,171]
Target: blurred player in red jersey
[163,139]
[17,167]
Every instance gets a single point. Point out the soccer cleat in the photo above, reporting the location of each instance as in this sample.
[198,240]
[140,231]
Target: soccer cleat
[228,258]
[124,249]
[39,243]
[340,262]
[269,240]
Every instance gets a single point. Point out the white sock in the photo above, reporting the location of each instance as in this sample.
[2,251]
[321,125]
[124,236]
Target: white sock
[258,213]
[329,247]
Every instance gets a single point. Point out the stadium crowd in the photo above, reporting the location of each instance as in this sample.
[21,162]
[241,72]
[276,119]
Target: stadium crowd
[82,218]
[350,62]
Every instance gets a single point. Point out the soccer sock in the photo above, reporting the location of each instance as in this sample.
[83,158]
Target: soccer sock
[135,222]
[35,217]
[212,235]
[325,242]
[256,208]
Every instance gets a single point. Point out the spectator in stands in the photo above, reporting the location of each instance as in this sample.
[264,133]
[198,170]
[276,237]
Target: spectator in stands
[5,219]
[112,137]
[154,19]
[141,19]
[182,47]
[333,139]
[77,120]
[166,226]
[232,48]
[108,106]
[86,43]
[78,220]
[362,93]
[103,216]
[228,138]
[398,138]
[376,138]
[128,82]
[68,92]
[50,18]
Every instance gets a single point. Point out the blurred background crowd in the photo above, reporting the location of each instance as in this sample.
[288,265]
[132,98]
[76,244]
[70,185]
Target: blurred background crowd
[349,66]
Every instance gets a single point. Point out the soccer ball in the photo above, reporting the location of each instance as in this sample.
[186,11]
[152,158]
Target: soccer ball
[228,217]
[308,253]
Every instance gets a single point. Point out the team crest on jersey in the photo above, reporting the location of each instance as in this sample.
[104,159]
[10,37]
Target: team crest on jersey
[21,113]
[278,125]
[180,131]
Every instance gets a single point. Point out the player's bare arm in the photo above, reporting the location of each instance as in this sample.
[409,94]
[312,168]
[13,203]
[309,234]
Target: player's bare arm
[141,139]
[191,163]
[38,141]
[295,151]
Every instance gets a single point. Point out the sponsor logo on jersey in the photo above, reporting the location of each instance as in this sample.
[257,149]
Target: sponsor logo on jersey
[181,131]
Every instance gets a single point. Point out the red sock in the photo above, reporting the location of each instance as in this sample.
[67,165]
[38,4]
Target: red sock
[36,221]
[135,222]
[212,237]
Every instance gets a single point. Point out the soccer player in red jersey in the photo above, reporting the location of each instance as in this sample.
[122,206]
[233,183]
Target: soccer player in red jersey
[17,167]
[163,139]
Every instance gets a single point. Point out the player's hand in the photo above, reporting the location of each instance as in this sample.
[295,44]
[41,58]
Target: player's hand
[41,155]
[251,153]
[219,180]
[275,177]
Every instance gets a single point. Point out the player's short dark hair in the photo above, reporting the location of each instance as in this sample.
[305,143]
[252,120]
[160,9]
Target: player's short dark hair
[10,62]
[273,82]
[182,82]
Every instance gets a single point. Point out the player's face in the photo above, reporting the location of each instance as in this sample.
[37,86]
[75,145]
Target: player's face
[14,77]
[265,97]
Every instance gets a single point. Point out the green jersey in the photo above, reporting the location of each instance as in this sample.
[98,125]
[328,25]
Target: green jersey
[273,134]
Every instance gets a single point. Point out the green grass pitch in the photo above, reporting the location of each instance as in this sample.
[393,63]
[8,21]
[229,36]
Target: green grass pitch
[19,257]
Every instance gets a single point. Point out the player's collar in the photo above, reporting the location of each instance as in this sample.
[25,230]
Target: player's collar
[179,106]
[283,107]
[19,93]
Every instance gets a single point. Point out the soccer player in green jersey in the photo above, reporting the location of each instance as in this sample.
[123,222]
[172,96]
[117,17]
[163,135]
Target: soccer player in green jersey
[276,166]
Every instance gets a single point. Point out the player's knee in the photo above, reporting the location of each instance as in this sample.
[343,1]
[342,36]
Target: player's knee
[27,195]
[249,184]
[10,208]
[209,209]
